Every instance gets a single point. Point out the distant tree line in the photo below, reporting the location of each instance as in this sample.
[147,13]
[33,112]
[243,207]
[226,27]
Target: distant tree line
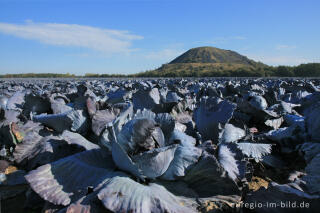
[303,70]
[38,75]
[56,75]
[93,75]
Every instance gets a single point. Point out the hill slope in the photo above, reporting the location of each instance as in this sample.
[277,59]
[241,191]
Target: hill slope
[208,61]
[212,55]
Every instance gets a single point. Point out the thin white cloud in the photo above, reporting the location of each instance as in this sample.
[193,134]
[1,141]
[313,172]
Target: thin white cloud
[104,40]
[285,47]
[164,55]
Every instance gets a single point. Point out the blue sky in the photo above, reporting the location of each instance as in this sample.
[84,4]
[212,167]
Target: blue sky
[129,36]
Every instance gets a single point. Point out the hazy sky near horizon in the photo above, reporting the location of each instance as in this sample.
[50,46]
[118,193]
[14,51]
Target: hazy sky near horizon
[129,36]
